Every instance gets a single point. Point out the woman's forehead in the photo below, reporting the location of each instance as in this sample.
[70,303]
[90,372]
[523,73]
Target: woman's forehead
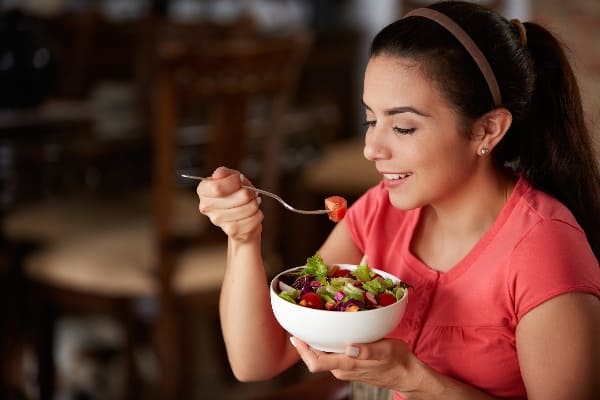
[394,64]
[390,79]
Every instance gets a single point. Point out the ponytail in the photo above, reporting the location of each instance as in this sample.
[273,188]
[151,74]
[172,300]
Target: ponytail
[556,153]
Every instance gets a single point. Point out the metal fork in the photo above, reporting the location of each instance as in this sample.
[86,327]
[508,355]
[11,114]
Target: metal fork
[264,192]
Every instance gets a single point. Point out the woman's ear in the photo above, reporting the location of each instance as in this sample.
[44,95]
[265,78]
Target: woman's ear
[490,128]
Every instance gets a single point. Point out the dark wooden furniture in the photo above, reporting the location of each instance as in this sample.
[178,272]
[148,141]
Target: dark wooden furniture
[244,86]
[135,249]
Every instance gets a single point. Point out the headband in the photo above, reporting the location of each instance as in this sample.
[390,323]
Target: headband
[522,31]
[467,43]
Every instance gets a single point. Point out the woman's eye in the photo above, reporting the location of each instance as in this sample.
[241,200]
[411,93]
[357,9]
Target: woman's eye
[369,124]
[403,131]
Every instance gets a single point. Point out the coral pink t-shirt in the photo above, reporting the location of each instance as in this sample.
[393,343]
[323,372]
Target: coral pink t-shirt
[462,322]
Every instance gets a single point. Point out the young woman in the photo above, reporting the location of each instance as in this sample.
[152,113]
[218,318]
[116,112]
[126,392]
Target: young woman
[489,206]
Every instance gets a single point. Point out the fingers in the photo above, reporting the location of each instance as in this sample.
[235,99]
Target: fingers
[234,209]
[355,355]
[222,183]
[376,351]
[241,228]
[308,355]
[316,360]
[233,203]
[222,172]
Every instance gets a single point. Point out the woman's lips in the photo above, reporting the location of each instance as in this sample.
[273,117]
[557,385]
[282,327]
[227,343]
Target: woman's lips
[401,175]
[396,179]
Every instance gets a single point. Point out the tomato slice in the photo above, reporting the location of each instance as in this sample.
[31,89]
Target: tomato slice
[311,300]
[337,206]
[337,272]
[385,299]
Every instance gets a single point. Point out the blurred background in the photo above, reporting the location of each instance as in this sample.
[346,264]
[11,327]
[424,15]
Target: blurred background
[109,276]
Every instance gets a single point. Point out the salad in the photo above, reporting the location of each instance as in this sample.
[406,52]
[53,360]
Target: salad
[320,286]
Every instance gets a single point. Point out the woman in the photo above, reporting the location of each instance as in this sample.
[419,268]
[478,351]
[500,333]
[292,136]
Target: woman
[489,206]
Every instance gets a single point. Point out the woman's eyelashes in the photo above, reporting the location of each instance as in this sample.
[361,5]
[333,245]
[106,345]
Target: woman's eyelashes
[403,131]
[398,130]
[368,124]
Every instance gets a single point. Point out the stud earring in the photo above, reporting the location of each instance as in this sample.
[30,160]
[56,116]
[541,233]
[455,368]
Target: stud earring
[483,151]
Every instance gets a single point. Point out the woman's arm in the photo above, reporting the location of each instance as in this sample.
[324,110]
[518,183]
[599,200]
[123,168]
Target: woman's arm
[558,344]
[257,347]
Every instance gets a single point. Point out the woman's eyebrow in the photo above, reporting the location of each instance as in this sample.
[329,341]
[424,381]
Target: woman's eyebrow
[400,110]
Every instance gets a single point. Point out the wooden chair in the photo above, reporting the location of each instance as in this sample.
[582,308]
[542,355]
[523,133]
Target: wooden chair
[245,84]
[237,84]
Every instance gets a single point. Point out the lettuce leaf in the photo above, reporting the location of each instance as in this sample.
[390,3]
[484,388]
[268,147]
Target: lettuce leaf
[316,267]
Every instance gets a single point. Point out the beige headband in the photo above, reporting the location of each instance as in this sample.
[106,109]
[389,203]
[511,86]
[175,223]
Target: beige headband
[522,31]
[467,43]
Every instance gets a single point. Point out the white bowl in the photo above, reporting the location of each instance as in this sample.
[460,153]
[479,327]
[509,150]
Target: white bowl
[332,331]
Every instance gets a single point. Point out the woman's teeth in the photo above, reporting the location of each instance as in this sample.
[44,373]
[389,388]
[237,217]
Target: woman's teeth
[396,176]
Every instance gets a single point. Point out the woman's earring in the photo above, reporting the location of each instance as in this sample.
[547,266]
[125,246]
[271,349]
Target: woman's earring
[483,151]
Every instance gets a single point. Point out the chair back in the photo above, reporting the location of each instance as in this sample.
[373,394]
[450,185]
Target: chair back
[211,90]
[234,89]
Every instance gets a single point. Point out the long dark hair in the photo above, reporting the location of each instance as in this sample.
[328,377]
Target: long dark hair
[548,141]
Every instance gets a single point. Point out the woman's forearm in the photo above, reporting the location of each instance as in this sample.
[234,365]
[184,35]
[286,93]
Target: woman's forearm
[257,347]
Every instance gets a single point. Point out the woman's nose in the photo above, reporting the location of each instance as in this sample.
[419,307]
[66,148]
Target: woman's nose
[374,149]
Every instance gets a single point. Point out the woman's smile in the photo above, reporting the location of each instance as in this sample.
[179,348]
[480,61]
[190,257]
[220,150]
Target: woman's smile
[394,180]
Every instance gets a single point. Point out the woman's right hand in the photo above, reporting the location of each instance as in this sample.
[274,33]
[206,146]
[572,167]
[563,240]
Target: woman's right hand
[229,206]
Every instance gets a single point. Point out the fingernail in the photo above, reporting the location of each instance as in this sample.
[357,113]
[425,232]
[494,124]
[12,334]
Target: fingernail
[352,351]
[258,200]
[242,178]
[292,341]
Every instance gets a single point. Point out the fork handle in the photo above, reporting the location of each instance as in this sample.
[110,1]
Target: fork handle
[269,194]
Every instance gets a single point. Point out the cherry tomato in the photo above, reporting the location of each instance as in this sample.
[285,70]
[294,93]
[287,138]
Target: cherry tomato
[385,299]
[311,300]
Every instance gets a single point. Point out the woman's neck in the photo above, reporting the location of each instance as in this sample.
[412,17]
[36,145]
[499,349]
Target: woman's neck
[449,230]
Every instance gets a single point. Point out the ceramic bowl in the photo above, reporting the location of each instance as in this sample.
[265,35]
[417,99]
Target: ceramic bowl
[332,331]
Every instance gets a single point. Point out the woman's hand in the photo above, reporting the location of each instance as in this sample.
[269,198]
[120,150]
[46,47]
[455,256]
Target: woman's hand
[229,206]
[387,363]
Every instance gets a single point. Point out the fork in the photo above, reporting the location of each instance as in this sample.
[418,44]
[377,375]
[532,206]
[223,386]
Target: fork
[264,192]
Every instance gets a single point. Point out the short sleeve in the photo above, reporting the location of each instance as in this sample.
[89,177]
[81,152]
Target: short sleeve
[363,214]
[553,258]
[354,216]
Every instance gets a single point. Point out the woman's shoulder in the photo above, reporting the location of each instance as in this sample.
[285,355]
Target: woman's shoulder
[539,227]
[540,206]
[550,253]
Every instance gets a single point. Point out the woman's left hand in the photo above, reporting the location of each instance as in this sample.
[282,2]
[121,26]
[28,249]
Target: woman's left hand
[387,363]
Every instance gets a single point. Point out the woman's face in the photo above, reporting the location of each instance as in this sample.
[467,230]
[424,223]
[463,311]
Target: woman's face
[413,135]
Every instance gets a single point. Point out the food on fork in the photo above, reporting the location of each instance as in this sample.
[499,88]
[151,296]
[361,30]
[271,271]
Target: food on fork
[336,206]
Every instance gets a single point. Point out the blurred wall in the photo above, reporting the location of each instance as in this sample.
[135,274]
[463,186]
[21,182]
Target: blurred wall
[577,23]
